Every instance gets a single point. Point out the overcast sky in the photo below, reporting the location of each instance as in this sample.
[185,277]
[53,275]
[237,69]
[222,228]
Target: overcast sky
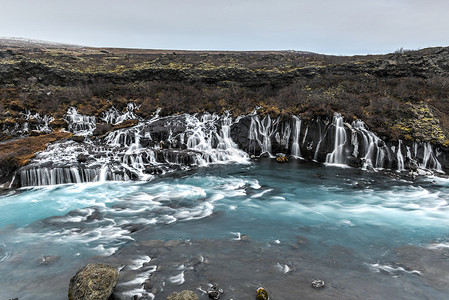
[323,26]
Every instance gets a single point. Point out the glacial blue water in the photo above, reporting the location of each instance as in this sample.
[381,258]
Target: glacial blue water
[363,232]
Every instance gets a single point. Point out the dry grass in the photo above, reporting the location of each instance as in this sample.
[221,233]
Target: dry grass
[17,153]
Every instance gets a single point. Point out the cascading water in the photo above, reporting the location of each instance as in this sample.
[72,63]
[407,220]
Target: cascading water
[80,124]
[400,157]
[296,151]
[338,155]
[37,123]
[113,116]
[159,145]
[429,158]
[262,131]
[371,149]
[151,147]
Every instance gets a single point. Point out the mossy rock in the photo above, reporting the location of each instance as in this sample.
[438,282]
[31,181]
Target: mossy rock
[262,294]
[93,282]
[281,159]
[184,295]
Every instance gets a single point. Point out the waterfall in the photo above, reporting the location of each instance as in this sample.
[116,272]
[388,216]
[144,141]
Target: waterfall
[80,124]
[165,144]
[51,176]
[113,116]
[371,149]
[154,146]
[400,158]
[429,158]
[338,156]
[37,123]
[321,135]
[296,151]
[210,135]
[226,144]
[262,132]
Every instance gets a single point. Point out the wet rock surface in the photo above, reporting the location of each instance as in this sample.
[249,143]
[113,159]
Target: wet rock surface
[214,292]
[318,284]
[262,294]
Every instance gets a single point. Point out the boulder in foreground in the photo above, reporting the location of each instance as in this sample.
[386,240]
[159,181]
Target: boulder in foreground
[93,282]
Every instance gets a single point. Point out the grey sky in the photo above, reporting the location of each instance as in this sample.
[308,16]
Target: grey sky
[324,26]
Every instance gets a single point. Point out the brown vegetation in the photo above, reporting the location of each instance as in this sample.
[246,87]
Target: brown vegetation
[17,153]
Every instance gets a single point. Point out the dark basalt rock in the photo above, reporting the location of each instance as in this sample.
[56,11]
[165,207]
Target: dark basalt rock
[355,162]
[214,292]
[93,282]
[318,284]
[77,138]
[82,158]
[102,129]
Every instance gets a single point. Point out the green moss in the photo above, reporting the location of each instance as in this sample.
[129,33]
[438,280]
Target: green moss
[420,124]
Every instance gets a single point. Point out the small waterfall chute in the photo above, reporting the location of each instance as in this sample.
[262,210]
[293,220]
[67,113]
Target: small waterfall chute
[400,158]
[262,131]
[80,124]
[338,155]
[296,150]
[113,116]
[38,123]
[430,160]
[370,149]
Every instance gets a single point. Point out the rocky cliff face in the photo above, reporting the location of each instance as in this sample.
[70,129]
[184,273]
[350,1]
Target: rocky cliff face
[165,144]
[309,106]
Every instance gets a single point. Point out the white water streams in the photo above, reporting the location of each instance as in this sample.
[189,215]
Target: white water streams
[133,153]
[80,124]
[37,123]
[159,145]
[371,149]
[400,157]
[296,151]
[113,116]
[338,155]
[261,131]
[429,158]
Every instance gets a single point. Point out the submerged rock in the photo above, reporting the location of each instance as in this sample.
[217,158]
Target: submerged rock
[48,259]
[262,294]
[318,284]
[214,291]
[184,295]
[93,282]
[281,158]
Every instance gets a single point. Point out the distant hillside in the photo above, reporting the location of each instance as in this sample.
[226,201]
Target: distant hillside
[14,42]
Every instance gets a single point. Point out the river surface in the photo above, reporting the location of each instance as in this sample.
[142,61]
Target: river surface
[367,235]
